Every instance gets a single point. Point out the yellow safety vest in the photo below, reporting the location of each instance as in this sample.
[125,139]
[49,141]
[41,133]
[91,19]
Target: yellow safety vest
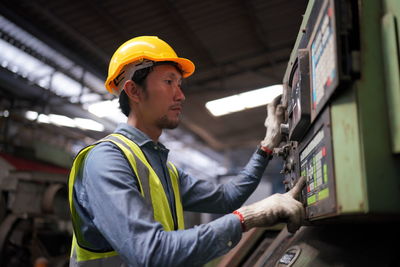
[151,190]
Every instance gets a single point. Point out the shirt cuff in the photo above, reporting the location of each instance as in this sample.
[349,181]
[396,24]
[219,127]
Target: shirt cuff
[264,153]
[228,231]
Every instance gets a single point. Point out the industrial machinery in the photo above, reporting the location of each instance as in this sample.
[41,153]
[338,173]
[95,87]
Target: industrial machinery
[342,93]
[34,213]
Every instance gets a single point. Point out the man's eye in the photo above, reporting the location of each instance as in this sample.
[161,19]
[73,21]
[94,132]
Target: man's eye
[168,81]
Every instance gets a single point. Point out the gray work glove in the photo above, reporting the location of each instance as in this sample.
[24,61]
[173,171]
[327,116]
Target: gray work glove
[276,208]
[275,116]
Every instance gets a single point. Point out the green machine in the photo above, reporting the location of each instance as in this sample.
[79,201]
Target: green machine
[343,98]
[342,92]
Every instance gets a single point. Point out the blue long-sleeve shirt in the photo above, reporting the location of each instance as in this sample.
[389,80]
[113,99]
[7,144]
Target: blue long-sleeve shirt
[114,216]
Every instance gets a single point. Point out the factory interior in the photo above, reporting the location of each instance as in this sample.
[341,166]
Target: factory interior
[335,62]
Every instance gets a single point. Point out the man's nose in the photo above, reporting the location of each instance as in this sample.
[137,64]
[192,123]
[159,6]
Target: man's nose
[179,95]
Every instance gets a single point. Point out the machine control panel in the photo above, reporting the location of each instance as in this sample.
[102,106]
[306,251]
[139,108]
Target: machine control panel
[321,67]
[316,164]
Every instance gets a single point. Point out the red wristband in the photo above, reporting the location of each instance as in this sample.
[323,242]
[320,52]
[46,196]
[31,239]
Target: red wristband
[266,150]
[241,218]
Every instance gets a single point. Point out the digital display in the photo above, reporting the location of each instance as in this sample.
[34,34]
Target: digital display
[324,65]
[313,165]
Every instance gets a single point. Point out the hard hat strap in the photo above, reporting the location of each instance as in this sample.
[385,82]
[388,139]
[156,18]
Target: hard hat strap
[128,71]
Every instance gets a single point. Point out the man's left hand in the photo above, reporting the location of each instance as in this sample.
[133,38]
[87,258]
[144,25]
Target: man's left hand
[275,116]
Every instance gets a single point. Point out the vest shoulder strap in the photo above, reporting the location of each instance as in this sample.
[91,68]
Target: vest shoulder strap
[136,159]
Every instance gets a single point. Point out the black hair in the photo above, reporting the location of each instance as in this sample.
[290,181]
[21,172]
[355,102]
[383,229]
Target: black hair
[139,77]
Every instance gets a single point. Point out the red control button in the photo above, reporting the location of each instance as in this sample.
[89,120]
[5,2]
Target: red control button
[324,151]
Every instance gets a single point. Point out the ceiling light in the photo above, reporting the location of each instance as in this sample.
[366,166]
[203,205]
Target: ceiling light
[4,113]
[42,118]
[31,115]
[247,100]
[61,120]
[108,109]
[101,109]
[88,124]
[85,124]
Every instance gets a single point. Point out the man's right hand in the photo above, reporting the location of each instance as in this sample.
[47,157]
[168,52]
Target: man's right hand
[276,208]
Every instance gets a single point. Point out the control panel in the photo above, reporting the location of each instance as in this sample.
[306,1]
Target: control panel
[319,70]
[316,164]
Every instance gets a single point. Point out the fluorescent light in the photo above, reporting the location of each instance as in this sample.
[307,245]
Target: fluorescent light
[102,109]
[88,124]
[31,115]
[4,113]
[61,120]
[108,109]
[247,100]
[85,124]
[43,118]
[65,86]
[87,98]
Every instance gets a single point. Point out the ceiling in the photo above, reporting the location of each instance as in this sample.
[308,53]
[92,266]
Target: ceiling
[235,45]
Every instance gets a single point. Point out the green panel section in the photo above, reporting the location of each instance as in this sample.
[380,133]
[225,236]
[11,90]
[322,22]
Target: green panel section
[311,200]
[324,193]
[390,45]
[325,173]
[350,187]
[382,171]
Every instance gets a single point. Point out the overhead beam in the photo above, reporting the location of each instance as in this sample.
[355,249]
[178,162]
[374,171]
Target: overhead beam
[88,44]
[29,27]
[199,85]
[255,26]
[14,85]
[235,62]
[181,23]
[45,59]
[103,14]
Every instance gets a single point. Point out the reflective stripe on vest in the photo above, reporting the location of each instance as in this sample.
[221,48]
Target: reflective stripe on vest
[151,190]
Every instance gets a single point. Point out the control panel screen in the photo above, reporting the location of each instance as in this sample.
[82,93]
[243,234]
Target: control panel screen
[323,58]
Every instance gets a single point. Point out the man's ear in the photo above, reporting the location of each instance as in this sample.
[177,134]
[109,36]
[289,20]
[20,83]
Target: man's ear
[132,90]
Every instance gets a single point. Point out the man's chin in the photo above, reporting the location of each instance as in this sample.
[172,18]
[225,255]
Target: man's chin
[172,125]
[165,123]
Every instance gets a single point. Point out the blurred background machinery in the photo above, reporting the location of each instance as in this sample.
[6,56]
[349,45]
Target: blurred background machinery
[342,89]
[34,212]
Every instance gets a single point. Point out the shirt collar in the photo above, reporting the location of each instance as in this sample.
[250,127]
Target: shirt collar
[137,136]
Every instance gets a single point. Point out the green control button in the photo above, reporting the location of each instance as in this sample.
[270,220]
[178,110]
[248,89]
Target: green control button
[311,200]
[323,194]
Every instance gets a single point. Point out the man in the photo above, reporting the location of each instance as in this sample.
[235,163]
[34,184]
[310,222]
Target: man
[127,200]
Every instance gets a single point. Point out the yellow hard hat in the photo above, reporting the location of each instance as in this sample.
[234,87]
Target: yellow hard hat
[140,49]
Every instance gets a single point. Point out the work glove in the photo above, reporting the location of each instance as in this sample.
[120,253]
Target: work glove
[275,116]
[274,209]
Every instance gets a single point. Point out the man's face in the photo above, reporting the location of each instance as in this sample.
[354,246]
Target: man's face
[163,98]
